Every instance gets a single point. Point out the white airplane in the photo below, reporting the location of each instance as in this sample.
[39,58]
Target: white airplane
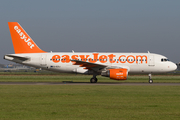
[113,65]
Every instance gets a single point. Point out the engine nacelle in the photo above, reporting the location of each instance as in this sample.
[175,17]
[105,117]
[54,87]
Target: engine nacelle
[116,74]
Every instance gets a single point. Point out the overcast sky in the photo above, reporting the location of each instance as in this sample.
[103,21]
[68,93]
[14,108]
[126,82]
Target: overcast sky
[95,25]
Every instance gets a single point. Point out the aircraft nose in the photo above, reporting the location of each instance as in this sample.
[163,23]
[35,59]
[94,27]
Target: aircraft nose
[173,66]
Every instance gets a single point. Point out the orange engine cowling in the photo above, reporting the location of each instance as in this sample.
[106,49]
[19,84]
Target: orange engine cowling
[116,74]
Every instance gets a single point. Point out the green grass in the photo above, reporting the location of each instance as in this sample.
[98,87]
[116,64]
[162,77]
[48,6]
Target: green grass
[84,78]
[68,102]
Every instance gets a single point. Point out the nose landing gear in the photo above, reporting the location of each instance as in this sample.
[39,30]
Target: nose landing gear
[150,78]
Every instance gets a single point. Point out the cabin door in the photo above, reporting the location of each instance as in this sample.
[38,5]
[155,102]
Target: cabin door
[151,60]
[43,60]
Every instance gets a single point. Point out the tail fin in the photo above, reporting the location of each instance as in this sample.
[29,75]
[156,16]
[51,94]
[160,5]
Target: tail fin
[22,42]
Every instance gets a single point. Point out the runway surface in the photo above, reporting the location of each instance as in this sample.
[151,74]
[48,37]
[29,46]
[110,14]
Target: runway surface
[87,83]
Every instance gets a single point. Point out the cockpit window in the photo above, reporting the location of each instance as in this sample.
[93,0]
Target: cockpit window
[164,60]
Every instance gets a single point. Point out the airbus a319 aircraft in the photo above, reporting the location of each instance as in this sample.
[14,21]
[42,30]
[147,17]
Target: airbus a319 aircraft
[113,65]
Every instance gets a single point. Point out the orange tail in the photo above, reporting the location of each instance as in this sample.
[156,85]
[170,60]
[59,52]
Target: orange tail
[22,42]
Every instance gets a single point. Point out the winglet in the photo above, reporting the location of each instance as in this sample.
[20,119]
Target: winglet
[22,42]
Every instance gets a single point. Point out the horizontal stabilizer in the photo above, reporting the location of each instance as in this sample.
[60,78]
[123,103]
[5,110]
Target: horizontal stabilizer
[13,57]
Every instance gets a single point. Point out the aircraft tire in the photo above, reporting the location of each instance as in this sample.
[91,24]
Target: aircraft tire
[93,80]
[150,81]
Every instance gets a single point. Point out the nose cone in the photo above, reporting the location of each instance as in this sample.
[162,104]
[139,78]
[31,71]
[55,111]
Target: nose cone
[172,66]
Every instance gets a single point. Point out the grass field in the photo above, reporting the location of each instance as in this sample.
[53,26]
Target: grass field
[83,78]
[68,102]
[81,102]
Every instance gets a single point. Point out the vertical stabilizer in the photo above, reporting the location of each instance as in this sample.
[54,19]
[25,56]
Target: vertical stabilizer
[22,42]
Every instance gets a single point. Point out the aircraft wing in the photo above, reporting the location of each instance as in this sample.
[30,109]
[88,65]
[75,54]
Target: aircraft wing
[97,67]
[89,65]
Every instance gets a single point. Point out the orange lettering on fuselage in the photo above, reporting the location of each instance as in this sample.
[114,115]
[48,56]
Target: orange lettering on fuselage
[102,59]
[93,60]
[137,56]
[122,60]
[83,58]
[65,59]
[56,58]
[129,60]
[111,58]
[74,57]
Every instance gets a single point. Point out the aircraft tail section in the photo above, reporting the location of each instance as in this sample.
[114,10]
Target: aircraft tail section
[22,42]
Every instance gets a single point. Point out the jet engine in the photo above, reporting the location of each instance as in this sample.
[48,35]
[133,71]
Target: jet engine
[116,74]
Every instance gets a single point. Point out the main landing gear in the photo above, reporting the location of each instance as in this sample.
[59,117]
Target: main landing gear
[94,79]
[150,79]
